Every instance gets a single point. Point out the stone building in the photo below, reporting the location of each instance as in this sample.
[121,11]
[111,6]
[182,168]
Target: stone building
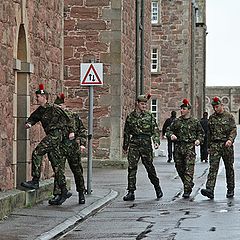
[178,56]
[120,34]
[31,38]
[230,97]
[152,46]
[108,31]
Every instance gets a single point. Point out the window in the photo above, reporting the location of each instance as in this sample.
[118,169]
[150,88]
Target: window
[154,108]
[155,17]
[154,60]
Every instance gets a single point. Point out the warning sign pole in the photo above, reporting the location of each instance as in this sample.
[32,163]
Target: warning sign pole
[90,140]
[91,75]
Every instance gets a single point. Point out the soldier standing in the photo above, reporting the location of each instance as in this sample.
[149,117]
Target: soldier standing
[204,145]
[139,131]
[222,133]
[186,133]
[71,150]
[166,124]
[57,127]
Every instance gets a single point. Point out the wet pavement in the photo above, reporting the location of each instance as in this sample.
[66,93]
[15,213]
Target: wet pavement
[106,216]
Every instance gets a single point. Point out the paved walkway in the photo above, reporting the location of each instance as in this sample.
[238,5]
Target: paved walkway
[43,221]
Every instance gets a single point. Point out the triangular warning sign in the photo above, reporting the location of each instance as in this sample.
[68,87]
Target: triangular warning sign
[91,77]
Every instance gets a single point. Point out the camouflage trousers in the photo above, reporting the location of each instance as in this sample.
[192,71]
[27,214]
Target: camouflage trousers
[184,158]
[71,152]
[218,151]
[141,148]
[50,145]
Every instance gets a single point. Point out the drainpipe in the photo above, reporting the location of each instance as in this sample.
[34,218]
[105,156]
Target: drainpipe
[192,71]
[137,47]
[142,48]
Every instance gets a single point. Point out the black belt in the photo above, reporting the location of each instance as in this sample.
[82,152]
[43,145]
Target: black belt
[219,141]
[141,136]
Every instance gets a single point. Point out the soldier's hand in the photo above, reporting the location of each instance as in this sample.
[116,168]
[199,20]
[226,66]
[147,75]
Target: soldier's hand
[71,136]
[125,150]
[27,125]
[228,143]
[156,145]
[82,148]
[173,137]
[197,142]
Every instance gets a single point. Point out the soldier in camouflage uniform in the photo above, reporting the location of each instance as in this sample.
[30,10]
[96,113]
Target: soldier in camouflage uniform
[222,133]
[71,150]
[186,132]
[139,131]
[57,127]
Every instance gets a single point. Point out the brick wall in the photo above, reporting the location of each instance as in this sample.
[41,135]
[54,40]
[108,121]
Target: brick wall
[42,23]
[104,30]
[230,96]
[6,97]
[171,84]
[181,43]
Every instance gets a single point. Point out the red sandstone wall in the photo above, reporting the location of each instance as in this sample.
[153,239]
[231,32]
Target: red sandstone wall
[44,31]
[6,96]
[84,29]
[172,35]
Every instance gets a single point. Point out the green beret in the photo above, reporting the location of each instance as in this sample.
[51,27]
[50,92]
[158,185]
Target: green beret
[142,98]
[216,101]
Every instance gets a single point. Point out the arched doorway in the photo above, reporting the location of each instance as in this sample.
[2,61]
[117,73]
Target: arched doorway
[21,104]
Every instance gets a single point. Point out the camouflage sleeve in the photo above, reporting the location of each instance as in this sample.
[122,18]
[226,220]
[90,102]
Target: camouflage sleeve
[81,132]
[34,117]
[126,135]
[66,118]
[156,131]
[233,127]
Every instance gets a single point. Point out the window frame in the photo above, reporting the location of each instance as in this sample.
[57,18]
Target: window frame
[157,69]
[155,13]
[154,112]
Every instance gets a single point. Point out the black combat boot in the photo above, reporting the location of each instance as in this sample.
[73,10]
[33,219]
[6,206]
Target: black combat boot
[33,184]
[63,197]
[230,194]
[54,200]
[81,198]
[186,195]
[129,197]
[207,193]
[158,191]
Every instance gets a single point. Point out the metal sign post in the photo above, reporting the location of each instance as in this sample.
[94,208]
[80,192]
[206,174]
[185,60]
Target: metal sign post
[91,75]
[90,139]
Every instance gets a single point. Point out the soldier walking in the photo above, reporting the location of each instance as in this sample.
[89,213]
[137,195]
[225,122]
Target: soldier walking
[186,133]
[222,133]
[71,150]
[57,127]
[139,131]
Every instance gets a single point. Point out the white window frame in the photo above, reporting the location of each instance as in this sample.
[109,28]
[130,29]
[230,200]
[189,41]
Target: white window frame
[155,12]
[154,60]
[155,105]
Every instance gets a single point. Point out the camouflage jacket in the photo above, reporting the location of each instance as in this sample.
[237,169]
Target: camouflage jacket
[186,130]
[222,127]
[79,129]
[51,117]
[140,124]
